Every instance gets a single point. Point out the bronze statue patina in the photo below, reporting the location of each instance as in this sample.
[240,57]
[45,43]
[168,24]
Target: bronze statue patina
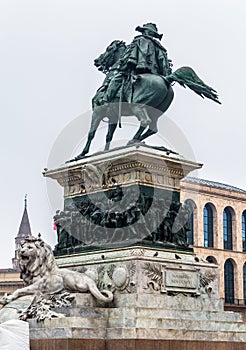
[143,55]
[140,75]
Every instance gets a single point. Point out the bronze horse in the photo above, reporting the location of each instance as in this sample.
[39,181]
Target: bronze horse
[150,95]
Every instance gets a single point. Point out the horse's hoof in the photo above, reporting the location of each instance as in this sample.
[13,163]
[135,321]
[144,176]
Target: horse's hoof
[131,142]
[135,142]
[80,156]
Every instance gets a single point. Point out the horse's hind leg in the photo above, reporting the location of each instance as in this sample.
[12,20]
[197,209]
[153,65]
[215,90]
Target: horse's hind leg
[136,137]
[143,117]
[151,130]
[111,130]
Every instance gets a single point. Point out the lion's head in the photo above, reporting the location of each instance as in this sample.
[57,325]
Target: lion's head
[35,259]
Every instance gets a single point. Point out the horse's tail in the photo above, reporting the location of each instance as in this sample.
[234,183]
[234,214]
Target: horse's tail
[186,76]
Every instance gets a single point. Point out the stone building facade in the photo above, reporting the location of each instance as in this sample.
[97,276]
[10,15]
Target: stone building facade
[9,281]
[218,227]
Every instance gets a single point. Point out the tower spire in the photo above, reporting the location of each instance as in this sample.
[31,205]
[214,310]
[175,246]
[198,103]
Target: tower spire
[23,232]
[25,228]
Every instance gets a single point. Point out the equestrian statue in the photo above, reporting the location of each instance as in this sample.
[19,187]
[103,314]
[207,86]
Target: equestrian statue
[138,82]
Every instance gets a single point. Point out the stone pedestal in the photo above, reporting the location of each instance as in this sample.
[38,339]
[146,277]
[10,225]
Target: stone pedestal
[122,197]
[124,226]
[162,300]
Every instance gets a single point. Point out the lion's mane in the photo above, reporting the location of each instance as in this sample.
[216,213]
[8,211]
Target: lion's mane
[35,259]
[41,274]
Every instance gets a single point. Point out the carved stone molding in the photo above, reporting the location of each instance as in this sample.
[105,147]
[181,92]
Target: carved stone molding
[120,277]
[124,167]
[174,280]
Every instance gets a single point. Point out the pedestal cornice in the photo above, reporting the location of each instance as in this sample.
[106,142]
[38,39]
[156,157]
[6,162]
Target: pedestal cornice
[123,166]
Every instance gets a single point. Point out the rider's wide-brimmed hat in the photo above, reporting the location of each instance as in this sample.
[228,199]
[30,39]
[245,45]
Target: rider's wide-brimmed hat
[151,27]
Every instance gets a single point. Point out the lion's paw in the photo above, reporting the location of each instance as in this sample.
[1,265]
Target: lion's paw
[6,299]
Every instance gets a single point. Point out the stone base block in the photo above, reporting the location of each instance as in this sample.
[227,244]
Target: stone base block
[162,299]
[132,344]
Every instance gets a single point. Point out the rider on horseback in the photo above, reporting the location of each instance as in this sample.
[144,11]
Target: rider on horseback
[144,55]
[141,75]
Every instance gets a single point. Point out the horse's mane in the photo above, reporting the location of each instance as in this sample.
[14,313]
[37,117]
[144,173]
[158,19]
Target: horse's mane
[107,59]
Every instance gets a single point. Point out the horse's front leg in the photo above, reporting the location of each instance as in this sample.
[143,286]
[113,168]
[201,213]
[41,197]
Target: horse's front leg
[110,134]
[86,149]
[95,121]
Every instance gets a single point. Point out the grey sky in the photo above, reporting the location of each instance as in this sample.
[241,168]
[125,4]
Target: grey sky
[47,79]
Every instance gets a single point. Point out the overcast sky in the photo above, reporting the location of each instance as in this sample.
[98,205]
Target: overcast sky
[47,80]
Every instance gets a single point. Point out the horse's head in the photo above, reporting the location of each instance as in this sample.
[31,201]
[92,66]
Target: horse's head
[112,54]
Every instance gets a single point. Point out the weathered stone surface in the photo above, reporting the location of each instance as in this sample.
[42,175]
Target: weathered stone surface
[149,310]
[128,165]
[10,311]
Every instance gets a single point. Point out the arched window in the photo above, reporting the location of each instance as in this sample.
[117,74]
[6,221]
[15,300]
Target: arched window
[227,228]
[208,224]
[244,230]
[244,282]
[190,233]
[229,281]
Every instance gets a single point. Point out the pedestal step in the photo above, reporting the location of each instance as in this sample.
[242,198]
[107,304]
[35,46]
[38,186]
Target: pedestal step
[144,329]
[153,313]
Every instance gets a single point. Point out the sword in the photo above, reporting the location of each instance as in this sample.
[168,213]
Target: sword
[120,101]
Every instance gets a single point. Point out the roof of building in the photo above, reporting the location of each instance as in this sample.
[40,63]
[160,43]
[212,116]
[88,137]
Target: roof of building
[25,228]
[8,270]
[214,184]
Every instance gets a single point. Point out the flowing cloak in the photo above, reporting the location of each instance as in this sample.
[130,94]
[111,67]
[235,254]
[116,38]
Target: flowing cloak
[146,55]
[143,55]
